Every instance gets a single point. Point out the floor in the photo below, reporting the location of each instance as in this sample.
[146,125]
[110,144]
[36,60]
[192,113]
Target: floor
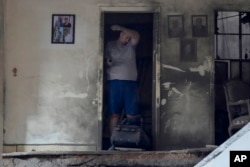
[188,157]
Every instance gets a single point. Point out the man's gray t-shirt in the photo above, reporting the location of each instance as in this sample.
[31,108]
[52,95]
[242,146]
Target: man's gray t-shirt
[123,61]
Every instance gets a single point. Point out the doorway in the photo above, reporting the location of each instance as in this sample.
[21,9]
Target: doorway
[143,23]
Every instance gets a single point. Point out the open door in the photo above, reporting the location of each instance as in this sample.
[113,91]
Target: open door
[148,70]
[143,23]
[146,21]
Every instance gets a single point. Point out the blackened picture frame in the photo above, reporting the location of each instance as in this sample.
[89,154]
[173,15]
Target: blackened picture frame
[175,26]
[188,50]
[199,26]
[63,29]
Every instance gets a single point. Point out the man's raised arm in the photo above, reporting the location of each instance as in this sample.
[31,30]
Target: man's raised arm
[134,35]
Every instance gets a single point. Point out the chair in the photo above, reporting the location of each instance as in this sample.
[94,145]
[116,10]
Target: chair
[237,95]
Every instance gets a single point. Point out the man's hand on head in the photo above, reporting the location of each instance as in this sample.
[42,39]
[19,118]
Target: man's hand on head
[116,28]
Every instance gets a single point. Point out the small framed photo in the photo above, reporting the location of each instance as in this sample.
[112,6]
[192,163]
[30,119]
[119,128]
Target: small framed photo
[199,26]
[63,29]
[188,50]
[175,26]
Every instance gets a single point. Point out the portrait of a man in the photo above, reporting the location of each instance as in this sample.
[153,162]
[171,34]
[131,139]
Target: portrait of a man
[188,50]
[199,26]
[175,26]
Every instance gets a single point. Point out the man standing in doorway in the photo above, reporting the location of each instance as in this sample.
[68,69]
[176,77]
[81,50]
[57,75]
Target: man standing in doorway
[120,59]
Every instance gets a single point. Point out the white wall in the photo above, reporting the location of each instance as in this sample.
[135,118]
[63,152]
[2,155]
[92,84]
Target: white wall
[51,99]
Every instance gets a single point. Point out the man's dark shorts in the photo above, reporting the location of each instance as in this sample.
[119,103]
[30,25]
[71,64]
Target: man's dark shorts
[122,94]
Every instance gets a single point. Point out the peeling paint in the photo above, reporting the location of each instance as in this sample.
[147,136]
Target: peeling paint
[172,67]
[163,102]
[171,90]
[166,85]
[205,67]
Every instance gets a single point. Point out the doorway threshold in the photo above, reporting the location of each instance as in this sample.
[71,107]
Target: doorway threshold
[172,158]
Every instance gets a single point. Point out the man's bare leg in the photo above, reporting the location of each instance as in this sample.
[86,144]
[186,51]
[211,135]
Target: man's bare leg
[114,118]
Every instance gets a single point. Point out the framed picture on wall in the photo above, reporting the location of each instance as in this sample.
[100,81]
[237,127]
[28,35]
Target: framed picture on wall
[199,26]
[175,26]
[188,50]
[63,29]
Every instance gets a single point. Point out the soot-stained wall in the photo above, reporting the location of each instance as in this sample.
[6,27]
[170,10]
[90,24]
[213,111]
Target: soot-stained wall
[53,90]
[186,106]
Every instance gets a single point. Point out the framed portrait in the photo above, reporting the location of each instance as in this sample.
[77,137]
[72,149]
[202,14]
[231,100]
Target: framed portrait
[199,26]
[188,50]
[63,29]
[175,26]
